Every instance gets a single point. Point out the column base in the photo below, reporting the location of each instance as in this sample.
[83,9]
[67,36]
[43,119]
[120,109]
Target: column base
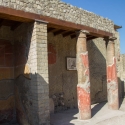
[113,106]
[84,115]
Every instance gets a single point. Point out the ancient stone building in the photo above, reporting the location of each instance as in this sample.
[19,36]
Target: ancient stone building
[53,54]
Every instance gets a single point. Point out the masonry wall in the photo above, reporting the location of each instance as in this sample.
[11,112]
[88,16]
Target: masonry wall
[98,74]
[63,82]
[23,101]
[24,90]
[7,97]
[123,67]
[118,63]
[31,74]
[122,74]
[7,101]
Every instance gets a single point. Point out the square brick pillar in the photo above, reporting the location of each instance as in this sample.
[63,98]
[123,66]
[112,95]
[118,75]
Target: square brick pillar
[39,71]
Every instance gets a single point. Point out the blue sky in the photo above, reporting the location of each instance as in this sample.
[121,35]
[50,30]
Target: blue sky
[112,9]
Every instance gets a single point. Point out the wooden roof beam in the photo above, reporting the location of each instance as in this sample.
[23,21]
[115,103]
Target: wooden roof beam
[92,37]
[117,27]
[58,32]
[19,15]
[68,33]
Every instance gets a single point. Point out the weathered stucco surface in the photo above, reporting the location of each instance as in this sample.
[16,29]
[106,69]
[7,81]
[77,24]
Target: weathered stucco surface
[7,98]
[24,91]
[97,62]
[25,63]
[31,72]
[61,81]
[122,74]
[62,11]
[22,83]
[122,67]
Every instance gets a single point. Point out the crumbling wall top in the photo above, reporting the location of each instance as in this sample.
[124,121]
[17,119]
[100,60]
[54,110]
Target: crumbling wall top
[63,11]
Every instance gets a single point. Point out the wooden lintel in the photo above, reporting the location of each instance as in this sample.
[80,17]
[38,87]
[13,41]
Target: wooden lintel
[68,33]
[58,32]
[19,15]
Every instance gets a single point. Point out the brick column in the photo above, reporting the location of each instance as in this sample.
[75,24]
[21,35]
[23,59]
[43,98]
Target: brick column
[83,87]
[39,69]
[112,82]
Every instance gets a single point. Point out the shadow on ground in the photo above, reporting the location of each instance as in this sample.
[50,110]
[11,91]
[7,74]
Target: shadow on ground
[64,117]
[97,108]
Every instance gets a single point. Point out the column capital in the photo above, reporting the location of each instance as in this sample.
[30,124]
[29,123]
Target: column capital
[41,21]
[112,38]
[84,31]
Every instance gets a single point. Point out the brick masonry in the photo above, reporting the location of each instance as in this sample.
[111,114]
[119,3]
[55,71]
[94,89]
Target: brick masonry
[25,97]
[31,40]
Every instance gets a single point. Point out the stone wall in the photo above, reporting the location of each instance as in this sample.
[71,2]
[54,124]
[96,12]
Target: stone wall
[7,98]
[61,79]
[97,62]
[31,74]
[60,10]
[118,62]
[62,82]
[123,67]
[6,33]
[122,74]
[22,74]
[24,90]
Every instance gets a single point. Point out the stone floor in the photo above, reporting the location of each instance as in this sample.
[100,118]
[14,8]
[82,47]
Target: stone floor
[101,115]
